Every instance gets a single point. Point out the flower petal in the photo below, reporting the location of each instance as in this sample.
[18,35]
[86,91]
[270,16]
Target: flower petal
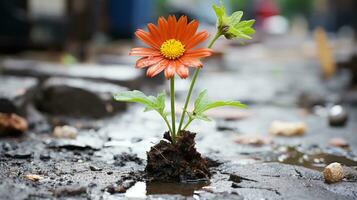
[170,70]
[144,52]
[196,39]
[190,31]
[181,27]
[172,26]
[199,53]
[147,38]
[157,68]
[182,71]
[148,61]
[190,62]
[154,31]
[163,28]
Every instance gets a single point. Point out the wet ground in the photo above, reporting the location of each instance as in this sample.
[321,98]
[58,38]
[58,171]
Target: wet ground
[107,157]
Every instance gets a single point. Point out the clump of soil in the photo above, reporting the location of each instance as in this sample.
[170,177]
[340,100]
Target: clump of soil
[176,162]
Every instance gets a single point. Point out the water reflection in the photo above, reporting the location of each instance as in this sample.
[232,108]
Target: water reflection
[316,161]
[142,189]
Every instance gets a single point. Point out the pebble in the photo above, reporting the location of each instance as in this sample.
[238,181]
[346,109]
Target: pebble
[95,168]
[337,116]
[338,142]
[12,123]
[287,128]
[112,189]
[45,156]
[333,173]
[65,132]
[33,177]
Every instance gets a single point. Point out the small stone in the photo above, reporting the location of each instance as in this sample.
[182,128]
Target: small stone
[45,156]
[337,116]
[95,168]
[338,142]
[79,98]
[112,189]
[257,140]
[12,123]
[333,173]
[33,177]
[287,128]
[65,132]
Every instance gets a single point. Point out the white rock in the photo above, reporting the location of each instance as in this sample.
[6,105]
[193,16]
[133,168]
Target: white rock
[287,128]
[33,177]
[65,132]
[333,173]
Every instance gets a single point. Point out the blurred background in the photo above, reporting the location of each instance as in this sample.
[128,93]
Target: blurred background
[81,26]
[310,42]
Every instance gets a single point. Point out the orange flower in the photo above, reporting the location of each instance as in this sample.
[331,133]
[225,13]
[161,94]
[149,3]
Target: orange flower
[171,47]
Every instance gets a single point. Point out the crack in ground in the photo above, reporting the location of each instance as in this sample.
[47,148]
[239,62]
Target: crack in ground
[258,188]
[238,179]
[298,173]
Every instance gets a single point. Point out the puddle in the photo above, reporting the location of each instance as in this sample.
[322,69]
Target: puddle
[317,160]
[142,189]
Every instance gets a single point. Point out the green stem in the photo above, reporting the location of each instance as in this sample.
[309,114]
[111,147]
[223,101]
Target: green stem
[167,122]
[214,39]
[188,123]
[197,71]
[172,96]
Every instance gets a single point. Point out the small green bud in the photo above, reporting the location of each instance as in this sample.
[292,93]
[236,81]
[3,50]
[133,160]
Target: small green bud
[231,26]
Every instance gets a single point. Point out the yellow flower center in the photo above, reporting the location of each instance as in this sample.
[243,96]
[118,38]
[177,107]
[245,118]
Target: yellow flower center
[172,49]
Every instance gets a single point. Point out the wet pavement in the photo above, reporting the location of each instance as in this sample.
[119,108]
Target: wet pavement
[107,156]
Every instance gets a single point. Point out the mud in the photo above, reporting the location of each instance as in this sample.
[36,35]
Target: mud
[180,161]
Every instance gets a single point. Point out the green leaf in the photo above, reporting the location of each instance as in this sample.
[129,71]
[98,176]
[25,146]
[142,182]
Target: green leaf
[150,102]
[236,34]
[244,24]
[235,18]
[220,13]
[202,104]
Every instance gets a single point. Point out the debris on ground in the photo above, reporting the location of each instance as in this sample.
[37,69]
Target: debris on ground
[280,128]
[333,173]
[122,159]
[11,123]
[65,132]
[33,177]
[256,140]
[95,168]
[338,142]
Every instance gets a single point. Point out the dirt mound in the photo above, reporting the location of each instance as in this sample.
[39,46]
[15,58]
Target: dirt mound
[176,162]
